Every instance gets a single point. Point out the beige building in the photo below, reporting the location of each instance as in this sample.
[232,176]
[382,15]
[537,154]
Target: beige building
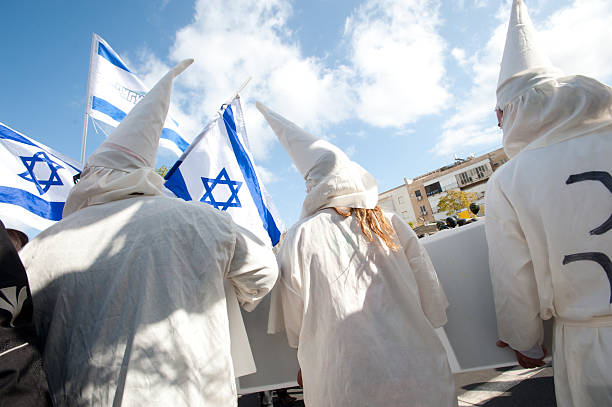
[417,200]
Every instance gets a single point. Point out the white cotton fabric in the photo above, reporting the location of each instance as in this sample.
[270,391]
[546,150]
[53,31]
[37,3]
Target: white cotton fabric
[332,179]
[534,219]
[537,215]
[131,306]
[362,316]
[558,110]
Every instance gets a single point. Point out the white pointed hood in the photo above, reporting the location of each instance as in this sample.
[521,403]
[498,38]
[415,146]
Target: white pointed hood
[332,179]
[123,165]
[524,64]
[541,106]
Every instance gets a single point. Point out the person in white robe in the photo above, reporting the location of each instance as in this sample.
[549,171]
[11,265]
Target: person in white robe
[360,300]
[132,288]
[548,217]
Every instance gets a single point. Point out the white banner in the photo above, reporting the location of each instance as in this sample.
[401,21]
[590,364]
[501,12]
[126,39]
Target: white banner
[460,257]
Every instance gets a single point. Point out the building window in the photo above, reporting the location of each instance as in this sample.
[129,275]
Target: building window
[417,193]
[433,189]
[423,210]
[464,178]
[480,171]
[473,175]
[400,199]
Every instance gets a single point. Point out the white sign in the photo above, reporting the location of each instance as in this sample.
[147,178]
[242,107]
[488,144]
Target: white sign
[460,257]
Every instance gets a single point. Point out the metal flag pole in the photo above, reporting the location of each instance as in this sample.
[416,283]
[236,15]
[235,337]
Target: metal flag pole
[88,102]
[237,93]
[84,141]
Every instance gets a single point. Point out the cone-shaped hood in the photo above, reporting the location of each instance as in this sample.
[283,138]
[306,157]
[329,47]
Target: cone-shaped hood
[304,148]
[332,179]
[138,133]
[122,166]
[524,64]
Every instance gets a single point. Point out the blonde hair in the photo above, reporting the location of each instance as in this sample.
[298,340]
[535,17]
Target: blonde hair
[372,220]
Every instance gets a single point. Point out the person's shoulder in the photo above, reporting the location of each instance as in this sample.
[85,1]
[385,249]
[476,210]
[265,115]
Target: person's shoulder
[400,226]
[197,213]
[191,206]
[321,216]
[309,224]
[506,169]
[390,215]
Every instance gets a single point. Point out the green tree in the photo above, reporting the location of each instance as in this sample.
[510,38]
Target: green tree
[455,200]
[162,171]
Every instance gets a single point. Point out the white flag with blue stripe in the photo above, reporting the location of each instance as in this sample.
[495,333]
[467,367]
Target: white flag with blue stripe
[218,169]
[113,90]
[35,180]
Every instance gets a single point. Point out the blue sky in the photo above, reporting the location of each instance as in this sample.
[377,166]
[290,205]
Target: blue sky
[401,85]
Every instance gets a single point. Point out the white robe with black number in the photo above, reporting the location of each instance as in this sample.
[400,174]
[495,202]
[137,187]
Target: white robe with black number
[548,224]
[362,316]
[131,305]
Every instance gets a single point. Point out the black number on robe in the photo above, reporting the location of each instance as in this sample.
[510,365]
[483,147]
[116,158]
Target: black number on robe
[606,179]
[601,258]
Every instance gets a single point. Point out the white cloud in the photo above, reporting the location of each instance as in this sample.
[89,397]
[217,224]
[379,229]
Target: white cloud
[577,38]
[398,56]
[350,150]
[459,55]
[267,176]
[574,37]
[394,74]
[470,124]
[232,41]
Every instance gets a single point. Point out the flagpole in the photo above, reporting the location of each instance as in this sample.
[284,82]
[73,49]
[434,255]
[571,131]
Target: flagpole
[243,86]
[88,101]
[84,141]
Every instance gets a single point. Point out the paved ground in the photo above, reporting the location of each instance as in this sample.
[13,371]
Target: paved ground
[506,387]
[503,387]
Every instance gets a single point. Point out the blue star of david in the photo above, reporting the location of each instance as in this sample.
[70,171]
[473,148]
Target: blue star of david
[41,184]
[222,179]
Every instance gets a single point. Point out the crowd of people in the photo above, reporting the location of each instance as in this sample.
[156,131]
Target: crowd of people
[132,298]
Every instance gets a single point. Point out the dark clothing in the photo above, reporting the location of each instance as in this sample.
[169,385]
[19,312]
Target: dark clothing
[22,378]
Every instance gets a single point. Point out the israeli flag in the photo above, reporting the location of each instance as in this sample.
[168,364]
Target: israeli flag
[113,90]
[218,169]
[35,181]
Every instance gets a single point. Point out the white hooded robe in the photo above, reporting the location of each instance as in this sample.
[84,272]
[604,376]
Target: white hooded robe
[548,216]
[362,316]
[133,290]
[548,221]
[130,302]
